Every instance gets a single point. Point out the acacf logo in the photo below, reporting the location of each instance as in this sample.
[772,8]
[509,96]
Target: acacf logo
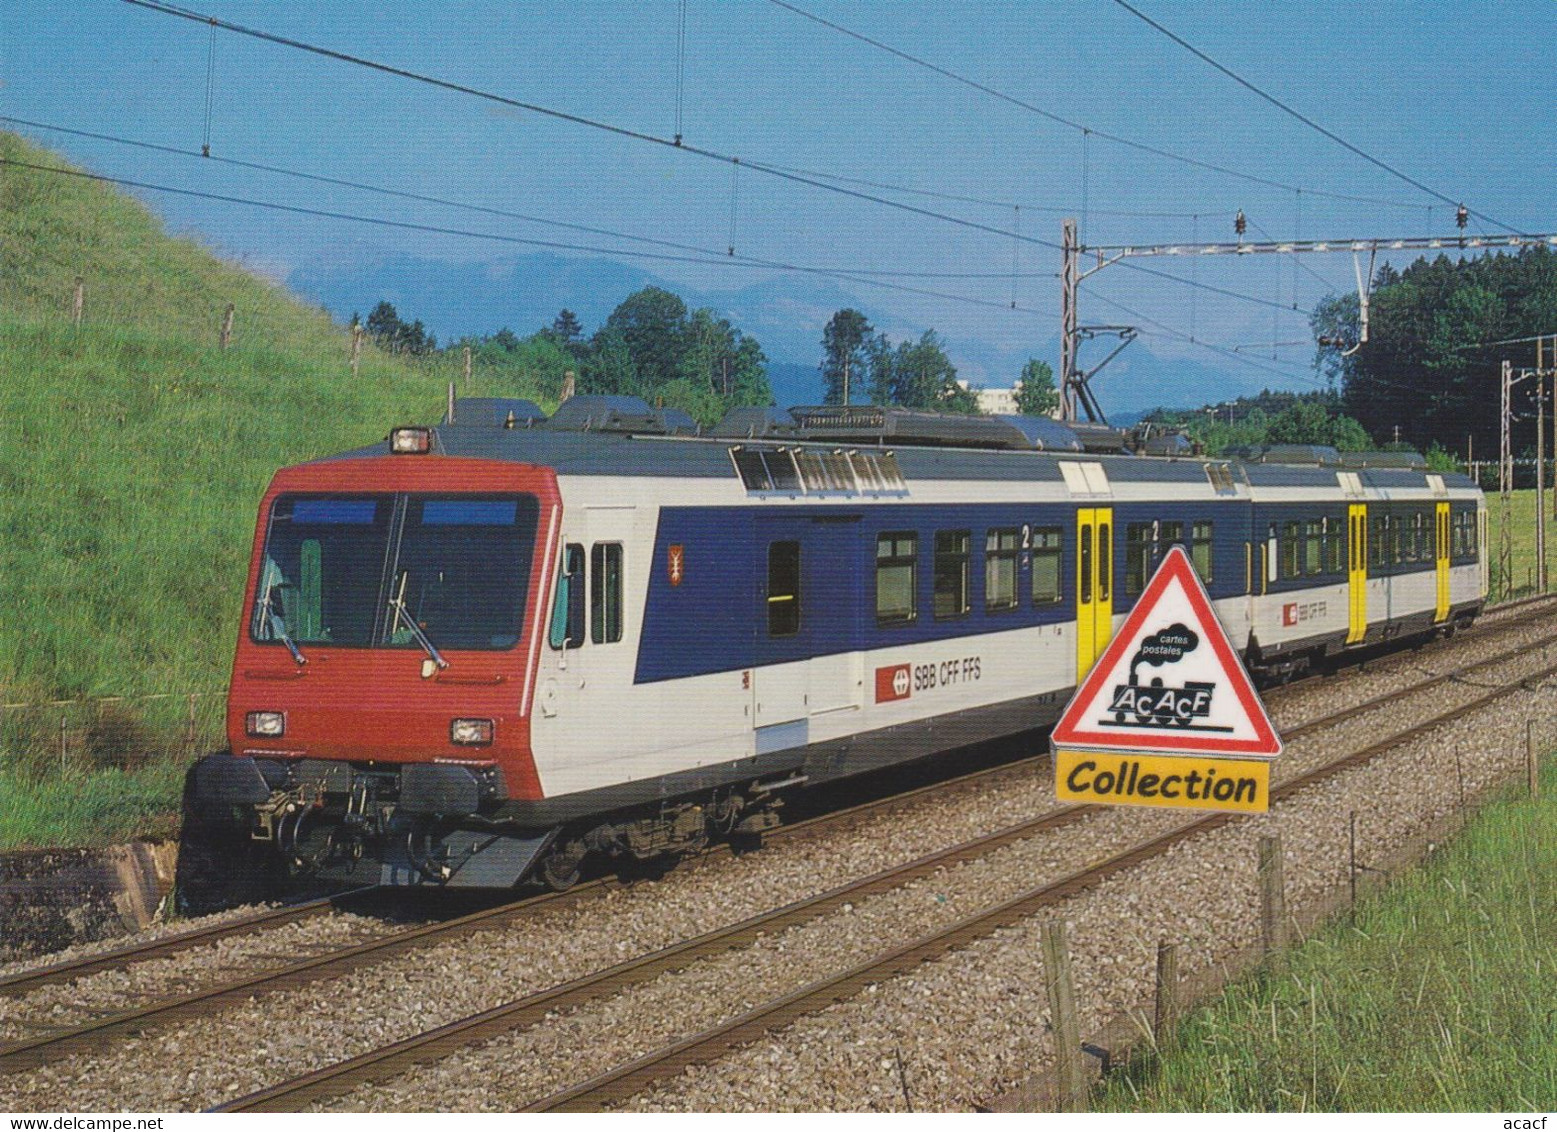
[894,683]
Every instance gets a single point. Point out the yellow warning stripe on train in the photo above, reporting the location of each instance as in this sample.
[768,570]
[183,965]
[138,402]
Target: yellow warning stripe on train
[1185,781]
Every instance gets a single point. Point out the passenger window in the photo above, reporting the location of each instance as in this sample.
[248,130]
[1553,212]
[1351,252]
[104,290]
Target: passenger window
[1138,556]
[567,613]
[896,577]
[605,590]
[1084,565]
[1046,565]
[1105,560]
[1000,550]
[1289,551]
[783,589]
[1200,549]
[951,573]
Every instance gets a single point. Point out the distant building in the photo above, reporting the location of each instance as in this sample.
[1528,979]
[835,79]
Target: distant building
[997,402]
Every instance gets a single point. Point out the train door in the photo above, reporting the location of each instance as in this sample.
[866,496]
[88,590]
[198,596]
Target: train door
[1094,585]
[781,677]
[832,578]
[1357,571]
[1441,557]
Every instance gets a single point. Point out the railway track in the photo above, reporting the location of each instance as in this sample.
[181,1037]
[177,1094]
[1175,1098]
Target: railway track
[1497,620]
[612,1087]
[401,1056]
[62,1044]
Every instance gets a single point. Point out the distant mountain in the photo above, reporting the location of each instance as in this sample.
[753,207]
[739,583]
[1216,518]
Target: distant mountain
[786,315]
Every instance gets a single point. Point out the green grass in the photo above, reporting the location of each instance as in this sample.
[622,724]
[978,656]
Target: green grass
[1441,996]
[1522,527]
[90,808]
[133,456]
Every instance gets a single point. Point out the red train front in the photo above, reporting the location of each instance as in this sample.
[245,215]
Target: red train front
[385,666]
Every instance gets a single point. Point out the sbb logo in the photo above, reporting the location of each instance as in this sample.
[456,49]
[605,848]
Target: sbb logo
[894,683]
[1289,614]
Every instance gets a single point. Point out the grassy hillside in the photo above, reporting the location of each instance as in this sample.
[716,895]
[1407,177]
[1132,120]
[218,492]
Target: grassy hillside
[134,452]
[1436,996]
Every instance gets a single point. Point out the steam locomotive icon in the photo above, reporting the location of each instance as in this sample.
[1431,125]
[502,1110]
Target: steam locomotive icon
[1158,704]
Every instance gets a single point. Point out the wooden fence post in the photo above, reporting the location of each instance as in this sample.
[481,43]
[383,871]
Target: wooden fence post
[227,326]
[356,346]
[1165,1025]
[467,369]
[79,302]
[1532,762]
[1273,902]
[1062,1013]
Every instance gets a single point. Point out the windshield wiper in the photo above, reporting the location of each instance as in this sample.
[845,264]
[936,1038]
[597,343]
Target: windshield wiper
[278,625]
[397,606]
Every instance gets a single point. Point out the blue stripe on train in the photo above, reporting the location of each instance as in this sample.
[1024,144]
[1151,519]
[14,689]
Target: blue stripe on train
[715,618]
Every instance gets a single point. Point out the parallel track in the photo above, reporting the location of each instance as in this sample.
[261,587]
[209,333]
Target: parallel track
[391,1060]
[620,1083]
[121,959]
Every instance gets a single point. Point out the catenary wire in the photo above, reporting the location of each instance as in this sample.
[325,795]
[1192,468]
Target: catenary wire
[1307,121]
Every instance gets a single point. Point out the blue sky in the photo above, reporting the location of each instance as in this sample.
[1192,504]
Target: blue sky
[1456,96]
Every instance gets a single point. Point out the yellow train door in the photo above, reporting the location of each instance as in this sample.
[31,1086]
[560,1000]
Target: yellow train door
[1442,557]
[1357,571]
[1094,585]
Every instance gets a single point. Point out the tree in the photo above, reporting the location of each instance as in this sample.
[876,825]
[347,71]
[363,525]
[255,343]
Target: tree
[609,368]
[724,361]
[881,362]
[923,377]
[652,327]
[844,356]
[566,327]
[384,324]
[1424,367]
[391,332]
[1035,393]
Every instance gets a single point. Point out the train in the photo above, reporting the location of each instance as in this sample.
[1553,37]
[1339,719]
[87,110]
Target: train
[504,648]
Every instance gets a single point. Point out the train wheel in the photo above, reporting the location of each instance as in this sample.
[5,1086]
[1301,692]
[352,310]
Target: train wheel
[560,869]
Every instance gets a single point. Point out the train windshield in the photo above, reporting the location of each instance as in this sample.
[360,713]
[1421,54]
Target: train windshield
[354,571]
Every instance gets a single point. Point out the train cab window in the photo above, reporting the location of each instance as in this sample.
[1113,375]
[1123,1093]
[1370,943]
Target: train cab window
[1000,551]
[951,573]
[605,592]
[1200,548]
[783,589]
[1046,565]
[1138,556]
[567,615]
[1271,557]
[896,577]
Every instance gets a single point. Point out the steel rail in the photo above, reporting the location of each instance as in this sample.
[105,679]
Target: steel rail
[391,1060]
[397,1058]
[25,982]
[31,1052]
[712,1043]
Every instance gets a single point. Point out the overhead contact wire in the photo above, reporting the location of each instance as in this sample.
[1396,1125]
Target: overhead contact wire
[1303,118]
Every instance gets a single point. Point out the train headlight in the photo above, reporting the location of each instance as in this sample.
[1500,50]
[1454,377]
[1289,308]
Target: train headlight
[411,440]
[471,732]
[265,724]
